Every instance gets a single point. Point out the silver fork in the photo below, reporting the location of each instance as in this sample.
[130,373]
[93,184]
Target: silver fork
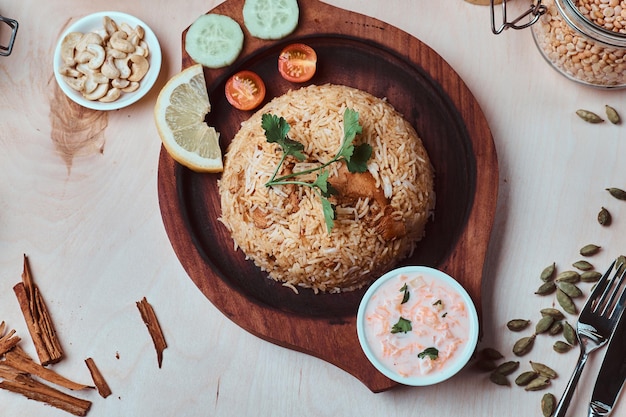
[596,323]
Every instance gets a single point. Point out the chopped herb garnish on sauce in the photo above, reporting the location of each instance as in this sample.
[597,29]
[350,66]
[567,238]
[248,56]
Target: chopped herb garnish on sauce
[402,326]
[431,352]
[356,157]
[406,295]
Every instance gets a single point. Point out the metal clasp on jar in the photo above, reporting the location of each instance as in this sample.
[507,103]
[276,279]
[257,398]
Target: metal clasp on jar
[5,50]
[534,11]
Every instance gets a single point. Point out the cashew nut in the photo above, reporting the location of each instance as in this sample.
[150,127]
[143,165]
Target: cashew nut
[120,83]
[123,66]
[83,57]
[132,87]
[98,93]
[69,71]
[77,83]
[105,63]
[98,55]
[90,85]
[142,49]
[67,47]
[125,27]
[111,95]
[138,67]
[109,25]
[140,31]
[88,38]
[109,70]
[120,42]
[116,54]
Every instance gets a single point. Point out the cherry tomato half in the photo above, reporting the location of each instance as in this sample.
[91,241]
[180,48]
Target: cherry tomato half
[245,90]
[297,63]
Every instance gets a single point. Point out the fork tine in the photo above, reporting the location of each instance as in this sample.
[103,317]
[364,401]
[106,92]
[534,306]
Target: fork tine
[611,305]
[600,289]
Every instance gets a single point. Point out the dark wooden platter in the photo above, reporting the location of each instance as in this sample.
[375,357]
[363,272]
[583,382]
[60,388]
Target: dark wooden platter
[371,55]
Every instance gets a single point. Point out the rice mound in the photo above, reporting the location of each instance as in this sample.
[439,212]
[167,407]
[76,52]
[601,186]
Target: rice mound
[282,228]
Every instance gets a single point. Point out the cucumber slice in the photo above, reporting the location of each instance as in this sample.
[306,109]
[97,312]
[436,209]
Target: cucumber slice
[270,19]
[214,40]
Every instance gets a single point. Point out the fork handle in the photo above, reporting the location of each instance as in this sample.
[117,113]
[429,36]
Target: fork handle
[561,408]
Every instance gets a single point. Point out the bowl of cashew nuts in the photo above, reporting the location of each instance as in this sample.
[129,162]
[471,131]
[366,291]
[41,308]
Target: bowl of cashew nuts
[107,60]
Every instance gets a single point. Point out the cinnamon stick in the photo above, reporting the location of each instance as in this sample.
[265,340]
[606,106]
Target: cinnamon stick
[37,318]
[35,390]
[7,341]
[98,379]
[19,360]
[150,319]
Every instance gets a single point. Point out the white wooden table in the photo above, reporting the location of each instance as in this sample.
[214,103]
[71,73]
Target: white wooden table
[90,223]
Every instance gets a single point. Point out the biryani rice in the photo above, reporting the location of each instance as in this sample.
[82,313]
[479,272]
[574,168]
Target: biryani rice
[294,246]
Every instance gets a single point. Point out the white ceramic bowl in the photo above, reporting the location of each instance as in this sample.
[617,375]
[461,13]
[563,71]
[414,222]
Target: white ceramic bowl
[93,22]
[460,358]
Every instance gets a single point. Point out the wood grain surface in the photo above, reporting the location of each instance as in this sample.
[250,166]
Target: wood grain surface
[371,55]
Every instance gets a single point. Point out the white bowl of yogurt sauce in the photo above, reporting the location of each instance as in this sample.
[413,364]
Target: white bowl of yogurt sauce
[417,325]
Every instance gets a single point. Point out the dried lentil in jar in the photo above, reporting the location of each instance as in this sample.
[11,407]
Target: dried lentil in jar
[585,40]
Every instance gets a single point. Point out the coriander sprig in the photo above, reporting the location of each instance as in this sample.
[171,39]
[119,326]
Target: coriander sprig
[356,157]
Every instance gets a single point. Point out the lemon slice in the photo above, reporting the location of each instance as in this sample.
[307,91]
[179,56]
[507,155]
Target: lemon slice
[179,115]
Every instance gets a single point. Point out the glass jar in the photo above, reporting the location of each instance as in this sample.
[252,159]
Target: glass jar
[584,40]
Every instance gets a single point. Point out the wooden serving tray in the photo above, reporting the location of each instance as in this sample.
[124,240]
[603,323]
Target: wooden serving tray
[371,55]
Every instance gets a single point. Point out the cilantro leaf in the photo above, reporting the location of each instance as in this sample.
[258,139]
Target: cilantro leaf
[406,295]
[351,128]
[329,213]
[276,130]
[321,182]
[360,156]
[403,325]
[431,352]
[351,125]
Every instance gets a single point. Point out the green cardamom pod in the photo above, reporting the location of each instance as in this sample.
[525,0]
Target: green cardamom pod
[548,272]
[589,250]
[548,404]
[604,217]
[612,115]
[589,116]
[544,324]
[568,276]
[546,288]
[556,328]
[524,345]
[543,370]
[499,379]
[517,325]
[561,347]
[583,265]
[570,289]
[507,368]
[554,312]
[490,353]
[524,378]
[590,276]
[617,193]
[537,384]
[569,334]
[565,302]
